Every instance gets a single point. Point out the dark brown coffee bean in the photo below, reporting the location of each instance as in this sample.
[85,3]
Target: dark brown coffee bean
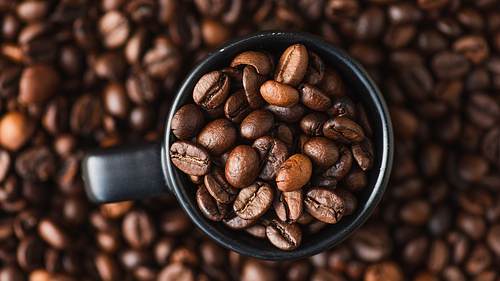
[405,122]
[448,65]
[482,110]
[287,114]
[162,59]
[313,98]
[141,89]
[343,130]
[312,124]
[217,136]
[29,253]
[415,212]
[36,164]
[355,180]
[438,256]
[252,81]
[9,80]
[324,204]
[114,29]
[321,151]
[363,153]
[242,166]
[257,230]
[272,153]
[350,201]
[115,100]
[289,205]
[339,10]
[211,208]
[473,47]
[342,106]
[279,94]
[286,236]
[237,107]
[283,133]
[471,167]
[214,33]
[86,115]
[371,243]
[315,69]
[256,124]
[138,229]
[417,82]
[187,122]
[213,113]
[211,90]
[254,200]
[332,84]
[258,60]
[37,84]
[190,158]
[176,272]
[343,165]
[363,120]
[219,188]
[235,222]
[53,234]
[294,173]
[292,65]
[398,36]
[479,260]
[235,75]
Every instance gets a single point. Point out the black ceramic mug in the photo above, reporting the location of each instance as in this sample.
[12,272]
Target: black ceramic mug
[145,170]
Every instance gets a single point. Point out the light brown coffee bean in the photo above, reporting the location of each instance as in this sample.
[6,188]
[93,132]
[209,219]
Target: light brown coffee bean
[211,90]
[217,136]
[294,173]
[254,200]
[190,158]
[219,188]
[313,97]
[343,130]
[321,151]
[256,59]
[256,124]
[286,236]
[324,204]
[242,166]
[289,205]
[279,94]
[292,65]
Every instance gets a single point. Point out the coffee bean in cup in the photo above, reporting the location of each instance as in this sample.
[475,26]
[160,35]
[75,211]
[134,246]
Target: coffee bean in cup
[281,147]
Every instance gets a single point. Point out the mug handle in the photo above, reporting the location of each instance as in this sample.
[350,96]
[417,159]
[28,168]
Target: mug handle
[123,173]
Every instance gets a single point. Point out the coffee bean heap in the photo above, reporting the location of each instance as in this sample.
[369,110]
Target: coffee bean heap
[268,140]
[437,63]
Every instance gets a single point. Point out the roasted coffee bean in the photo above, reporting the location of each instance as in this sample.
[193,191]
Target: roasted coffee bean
[36,164]
[363,120]
[163,59]
[417,82]
[242,166]
[389,271]
[343,165]
[312,124]
[37,84]
[187,122]
[214,33]
[115,100]
[177,272]
[289,205]
[272,153]
[235,75]
[254,200]
[350,201]
[252,81]
[211,90]
[29,253]
[141,89]
[114,29]
[53,234]
[190,158]
[448,65]
[315,69]
[257,230]
[313,98]
[294,173]
[355,180]
[292,65]
[138,229]
[342,106]
[321,151]
[324,204]
[237,107]
[211,208]
[279,94]
[235,222]
[110,65]
[363,153]
[258,60]
[482,110]
[219,188]
[286,236]
[217,136]
[85,115]
[343,130]
[15,130]
[287,114]
[332,83]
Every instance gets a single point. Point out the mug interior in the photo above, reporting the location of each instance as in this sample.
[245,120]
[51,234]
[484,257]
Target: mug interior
[364,90]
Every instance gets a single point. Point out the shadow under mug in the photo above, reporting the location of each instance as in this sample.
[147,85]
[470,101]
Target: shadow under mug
[144,170]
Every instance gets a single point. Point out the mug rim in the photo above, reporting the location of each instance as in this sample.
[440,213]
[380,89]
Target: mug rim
[350,64]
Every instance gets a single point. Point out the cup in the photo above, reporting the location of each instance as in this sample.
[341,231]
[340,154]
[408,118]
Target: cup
[145,170]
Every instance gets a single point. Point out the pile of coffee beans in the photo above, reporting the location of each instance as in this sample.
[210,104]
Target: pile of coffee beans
[76,75]
[271,138]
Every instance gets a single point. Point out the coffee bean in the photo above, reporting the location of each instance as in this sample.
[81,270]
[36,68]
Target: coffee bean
[438,256]
[279,94]
[252,81]
[289,205]
[235,222]
[417,82]
[85,115]
[292,65]
[53,234]
[287,114]
[115,100]
[242,166]
[237,107]
[163,59]
[211,208]
[258,60]
[272,153]
[321,151]
[9,80]
[36,164]
[339,10]
[324,204]
[363,120]
[363,153]
[315,69]
[257,230]
[448,65]
[5,162]
[256,124]
[141,89]
[109,66]
[389,271]
[211,90]
[482,110]
[294,173]
[190,158]
[29,253]
[254,200]
[37,84]
[355,180]
[217,136]
[312,124]
[114,28]
[219,188]
[286,236]
[313,98]
[138,229]
[342,106]
[187,122]
[343,165]
[332,83]
[350,201]
[343,130]
[235,75]
[473,47]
